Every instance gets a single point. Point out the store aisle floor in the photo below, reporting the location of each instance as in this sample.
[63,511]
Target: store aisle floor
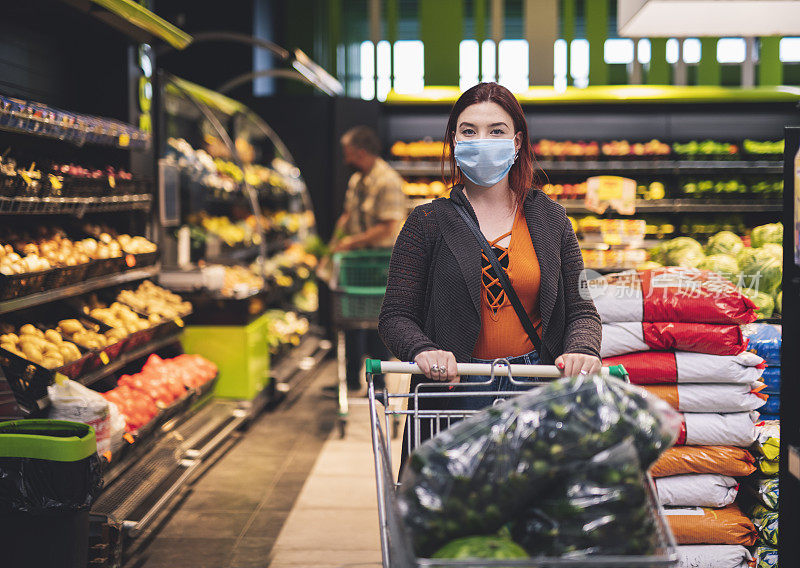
[290,493]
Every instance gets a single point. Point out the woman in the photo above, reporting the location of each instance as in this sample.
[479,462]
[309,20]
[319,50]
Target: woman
[444,302]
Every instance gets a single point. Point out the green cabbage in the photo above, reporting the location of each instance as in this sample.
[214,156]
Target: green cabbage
[775,250]
[724,242]
[722,264]
[649,265]
[764,302]
[760,270]
[771,233]
[683,251]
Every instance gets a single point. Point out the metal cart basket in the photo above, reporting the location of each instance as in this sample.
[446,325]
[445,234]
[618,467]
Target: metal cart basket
[395,543]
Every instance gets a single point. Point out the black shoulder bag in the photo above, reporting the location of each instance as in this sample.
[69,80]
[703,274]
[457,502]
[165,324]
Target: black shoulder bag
[524,319]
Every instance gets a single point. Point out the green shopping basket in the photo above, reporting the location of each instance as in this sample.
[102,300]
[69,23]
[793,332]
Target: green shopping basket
[363,268]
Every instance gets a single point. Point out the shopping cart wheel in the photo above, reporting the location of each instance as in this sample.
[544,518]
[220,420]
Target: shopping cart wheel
[342,427]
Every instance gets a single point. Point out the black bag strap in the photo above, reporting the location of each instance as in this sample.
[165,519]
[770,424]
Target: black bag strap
[523,316]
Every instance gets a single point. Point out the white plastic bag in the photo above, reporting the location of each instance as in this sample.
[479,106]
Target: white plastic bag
[706,429]
[713,556]
[697,490]
[76,403]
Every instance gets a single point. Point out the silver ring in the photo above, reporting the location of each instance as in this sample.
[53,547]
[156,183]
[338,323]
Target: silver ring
[443,370]
[434,368]
[584,372]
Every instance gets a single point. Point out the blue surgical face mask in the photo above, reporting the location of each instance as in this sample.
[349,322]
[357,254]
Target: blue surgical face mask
[486,161]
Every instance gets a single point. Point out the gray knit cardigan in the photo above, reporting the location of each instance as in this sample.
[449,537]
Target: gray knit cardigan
[433,292]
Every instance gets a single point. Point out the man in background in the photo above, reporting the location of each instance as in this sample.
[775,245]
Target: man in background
[374,210]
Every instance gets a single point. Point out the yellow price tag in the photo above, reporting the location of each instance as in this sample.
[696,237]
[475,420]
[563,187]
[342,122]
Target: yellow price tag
[179,322]
[112,182]
[610,188]
[104,357]
[60,378]
[124,140]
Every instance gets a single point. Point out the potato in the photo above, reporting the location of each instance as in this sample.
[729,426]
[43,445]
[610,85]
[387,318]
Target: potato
[38,343]
[53,362]
[53,336]
[9,338]
[9,347]
[115,334]
[29,329]
[70,326]
[69,352]
[31,352]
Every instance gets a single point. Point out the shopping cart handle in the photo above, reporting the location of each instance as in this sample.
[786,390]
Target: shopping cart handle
[377,367]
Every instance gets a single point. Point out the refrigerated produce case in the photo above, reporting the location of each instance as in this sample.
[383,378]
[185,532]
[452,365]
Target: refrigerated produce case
[702,161]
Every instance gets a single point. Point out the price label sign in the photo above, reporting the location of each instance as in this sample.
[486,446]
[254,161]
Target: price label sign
[179,322]
[104,357]
[603,192]
[130,260]
[124,140]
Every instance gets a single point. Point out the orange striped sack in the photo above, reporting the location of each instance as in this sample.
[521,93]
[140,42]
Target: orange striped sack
[721,460]
[701,525]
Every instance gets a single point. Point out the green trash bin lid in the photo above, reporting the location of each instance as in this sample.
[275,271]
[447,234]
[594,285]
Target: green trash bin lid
[54,440]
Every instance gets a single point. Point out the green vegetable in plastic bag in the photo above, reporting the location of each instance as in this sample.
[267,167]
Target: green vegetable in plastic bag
[602,508]
[483,472]
[724,242]
[770,233]
[483,547]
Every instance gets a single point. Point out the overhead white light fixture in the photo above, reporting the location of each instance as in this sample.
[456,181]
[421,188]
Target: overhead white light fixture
[708,18]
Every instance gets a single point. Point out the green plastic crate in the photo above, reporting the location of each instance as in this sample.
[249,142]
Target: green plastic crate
[363,268]
[356,303]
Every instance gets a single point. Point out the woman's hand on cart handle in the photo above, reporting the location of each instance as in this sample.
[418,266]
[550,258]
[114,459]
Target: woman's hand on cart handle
[572,364]
[438,365]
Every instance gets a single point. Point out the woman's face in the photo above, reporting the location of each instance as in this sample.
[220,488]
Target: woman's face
[486,120]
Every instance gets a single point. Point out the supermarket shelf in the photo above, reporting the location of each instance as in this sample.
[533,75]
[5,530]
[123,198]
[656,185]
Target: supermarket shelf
[243,253]
[37,119]
[77,289]
[689,206]
[74,205]
[145,486]
[127,358]
[433,168]
[294,368]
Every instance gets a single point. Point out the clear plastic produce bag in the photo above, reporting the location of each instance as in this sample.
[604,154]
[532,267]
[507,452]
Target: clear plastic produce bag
[600,509]
[484,471]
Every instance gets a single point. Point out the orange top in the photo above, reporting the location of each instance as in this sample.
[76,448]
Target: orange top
[502,334]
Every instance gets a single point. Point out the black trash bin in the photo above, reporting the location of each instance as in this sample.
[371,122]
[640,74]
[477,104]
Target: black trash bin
[49,476]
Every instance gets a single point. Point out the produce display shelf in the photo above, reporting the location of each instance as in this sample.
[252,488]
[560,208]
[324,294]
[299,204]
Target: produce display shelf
[77,289]
[300,363]
[129,357]
[239,253]
[74,205]
[37,119]
[689,206]
[433,168]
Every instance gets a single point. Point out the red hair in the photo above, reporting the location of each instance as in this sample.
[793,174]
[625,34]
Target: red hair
[521,175]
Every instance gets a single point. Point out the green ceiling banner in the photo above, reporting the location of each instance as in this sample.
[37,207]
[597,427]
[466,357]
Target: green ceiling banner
[441,26]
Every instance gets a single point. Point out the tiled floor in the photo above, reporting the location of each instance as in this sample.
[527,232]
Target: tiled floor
[291,493]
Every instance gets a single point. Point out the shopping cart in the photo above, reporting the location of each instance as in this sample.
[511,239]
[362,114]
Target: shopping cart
[395,543]
[359,279]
